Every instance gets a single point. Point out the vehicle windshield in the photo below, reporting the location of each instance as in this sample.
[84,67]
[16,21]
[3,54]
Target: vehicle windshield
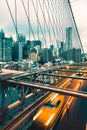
[49,104]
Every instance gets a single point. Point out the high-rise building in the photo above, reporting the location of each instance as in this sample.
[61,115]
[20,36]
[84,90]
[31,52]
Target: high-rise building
[26,50]
[62,49]
[33,56]
[0,49]
[73,54]
[21,39]
[5,47]
[52,47]
[68,41]
[36,43]
[18,48]
[2,36]
[45,55]
[76,55]
[58,47]
[68,38]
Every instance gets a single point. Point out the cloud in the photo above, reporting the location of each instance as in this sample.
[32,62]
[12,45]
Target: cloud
[79,10]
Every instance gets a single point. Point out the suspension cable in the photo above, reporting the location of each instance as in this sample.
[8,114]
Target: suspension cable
[28,8]
[38,21]
[28,18]
[75,25]
[12,18]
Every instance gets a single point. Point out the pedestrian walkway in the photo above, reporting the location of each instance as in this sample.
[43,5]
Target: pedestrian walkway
[5,73]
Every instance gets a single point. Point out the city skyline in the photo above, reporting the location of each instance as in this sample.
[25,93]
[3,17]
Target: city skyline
[7,25]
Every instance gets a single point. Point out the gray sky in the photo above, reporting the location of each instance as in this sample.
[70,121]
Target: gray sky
[79,9]
[80,13]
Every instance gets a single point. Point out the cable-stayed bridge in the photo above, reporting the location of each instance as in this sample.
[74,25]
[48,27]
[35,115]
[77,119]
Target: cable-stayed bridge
[51,22]
[23,93]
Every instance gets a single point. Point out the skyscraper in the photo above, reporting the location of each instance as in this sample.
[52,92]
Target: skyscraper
[45,55]
[5,47]
[68,38]
[21,39]
[18,48]
[2,36]
[68,41]
[26,50]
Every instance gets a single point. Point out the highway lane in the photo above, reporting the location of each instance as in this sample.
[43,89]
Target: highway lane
[76,119]
[74,85]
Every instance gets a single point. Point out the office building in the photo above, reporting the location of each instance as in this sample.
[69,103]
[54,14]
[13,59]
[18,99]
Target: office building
[36,43]
[68,38]
[73,54]
[2,36]
[26,49]
[45,55]
[21,39]
[17,51]
[5,47]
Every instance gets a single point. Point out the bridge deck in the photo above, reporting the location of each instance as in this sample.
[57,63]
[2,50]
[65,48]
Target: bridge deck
[6,74]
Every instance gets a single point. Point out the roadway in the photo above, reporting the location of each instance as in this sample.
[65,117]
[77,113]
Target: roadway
[66,123]
[77,118]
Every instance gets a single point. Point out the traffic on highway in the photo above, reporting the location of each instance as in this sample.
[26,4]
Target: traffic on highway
[55,108]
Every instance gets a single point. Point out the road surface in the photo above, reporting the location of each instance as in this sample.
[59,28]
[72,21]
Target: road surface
[77,119]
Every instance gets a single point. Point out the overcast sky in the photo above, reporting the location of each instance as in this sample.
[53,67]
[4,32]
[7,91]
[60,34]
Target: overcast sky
[79,9]
[80,13]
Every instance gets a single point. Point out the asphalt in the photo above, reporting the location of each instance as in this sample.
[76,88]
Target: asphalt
[76,118]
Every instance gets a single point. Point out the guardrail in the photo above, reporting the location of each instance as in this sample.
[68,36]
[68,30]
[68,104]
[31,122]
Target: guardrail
[69,92]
